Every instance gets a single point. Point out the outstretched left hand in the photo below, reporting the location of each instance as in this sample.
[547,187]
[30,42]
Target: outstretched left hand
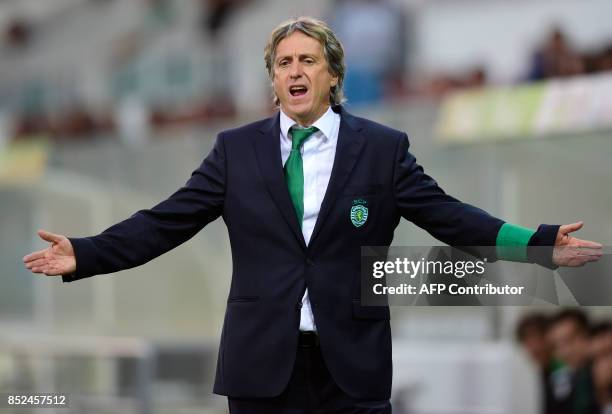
[573,252]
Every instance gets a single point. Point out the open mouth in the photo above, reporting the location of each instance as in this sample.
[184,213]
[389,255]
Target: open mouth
[298,90]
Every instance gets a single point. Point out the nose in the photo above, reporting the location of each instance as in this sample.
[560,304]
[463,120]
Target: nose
[295,71]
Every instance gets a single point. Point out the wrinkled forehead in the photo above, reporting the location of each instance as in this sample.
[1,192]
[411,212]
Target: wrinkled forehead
[297,44]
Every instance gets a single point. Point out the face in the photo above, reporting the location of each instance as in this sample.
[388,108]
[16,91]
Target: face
[570,343]
[602,379]
[537,346]
[301,78]
[601,344]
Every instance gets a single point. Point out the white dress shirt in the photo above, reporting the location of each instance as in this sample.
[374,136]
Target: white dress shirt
[318,154]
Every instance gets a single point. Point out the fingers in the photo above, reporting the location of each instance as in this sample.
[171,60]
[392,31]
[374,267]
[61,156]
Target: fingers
[577,255]
[34,256]
[589,257]
[581,250]
[37,263]
[46,269]
[50,237]
[570,228]
[37,269]
[582,260]
[587,243]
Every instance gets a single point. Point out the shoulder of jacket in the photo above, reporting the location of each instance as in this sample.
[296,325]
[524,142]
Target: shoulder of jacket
[377,128]
[381,133]
[246,130]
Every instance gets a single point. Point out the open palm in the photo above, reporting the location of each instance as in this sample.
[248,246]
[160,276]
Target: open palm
[573,252]
[57,259]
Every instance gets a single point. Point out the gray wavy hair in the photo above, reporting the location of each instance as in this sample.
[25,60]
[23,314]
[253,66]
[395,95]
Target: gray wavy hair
[319,30]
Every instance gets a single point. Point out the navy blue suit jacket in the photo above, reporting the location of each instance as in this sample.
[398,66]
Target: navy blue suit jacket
[242,181]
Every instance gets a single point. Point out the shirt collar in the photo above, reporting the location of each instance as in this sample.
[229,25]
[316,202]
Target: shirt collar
[325,124]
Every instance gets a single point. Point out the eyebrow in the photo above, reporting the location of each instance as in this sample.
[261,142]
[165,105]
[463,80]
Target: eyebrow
[302,56]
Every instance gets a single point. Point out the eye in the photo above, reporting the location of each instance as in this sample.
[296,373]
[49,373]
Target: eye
[309,61]
[283,63]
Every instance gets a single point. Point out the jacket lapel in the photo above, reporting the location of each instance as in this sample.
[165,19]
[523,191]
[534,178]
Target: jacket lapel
[350,144]
[267,149]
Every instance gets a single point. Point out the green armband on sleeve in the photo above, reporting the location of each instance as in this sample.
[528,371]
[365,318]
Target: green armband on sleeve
[511,243]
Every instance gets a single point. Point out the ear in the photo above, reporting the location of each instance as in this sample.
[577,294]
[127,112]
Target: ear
[334,81]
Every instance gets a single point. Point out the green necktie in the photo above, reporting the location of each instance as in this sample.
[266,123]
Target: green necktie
[294,169]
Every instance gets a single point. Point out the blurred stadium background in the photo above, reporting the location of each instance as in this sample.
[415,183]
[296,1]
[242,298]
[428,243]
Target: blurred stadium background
[106,107]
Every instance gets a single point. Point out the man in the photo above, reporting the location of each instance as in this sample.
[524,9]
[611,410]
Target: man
[601,340]
[572,382]
[531,333]
[601,352]
[296,338]
[602,379]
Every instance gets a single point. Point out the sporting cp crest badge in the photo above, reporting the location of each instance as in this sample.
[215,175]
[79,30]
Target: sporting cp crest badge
[359,212]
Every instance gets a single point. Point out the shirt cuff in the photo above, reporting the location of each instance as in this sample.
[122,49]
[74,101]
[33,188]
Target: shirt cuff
[512,242]
[85,255]
[521,244]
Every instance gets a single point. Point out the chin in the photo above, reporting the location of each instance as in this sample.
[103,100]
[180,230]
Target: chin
[301,107]
[299,112]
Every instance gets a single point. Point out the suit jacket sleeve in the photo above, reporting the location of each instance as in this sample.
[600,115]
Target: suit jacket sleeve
[420,200]
[150,233]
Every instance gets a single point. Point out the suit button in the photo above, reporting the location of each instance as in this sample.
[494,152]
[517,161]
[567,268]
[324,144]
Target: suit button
[309,262]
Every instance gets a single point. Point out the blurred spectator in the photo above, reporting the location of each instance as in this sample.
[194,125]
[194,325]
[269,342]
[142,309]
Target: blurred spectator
[555,58]
[76,122]
[601,352]
[572,384]
[202,112]
[602,377]
[17,34]
[569,335]
[73,122]
[532,332]
[445,83]
[372,33]
[30,125]
[601,340]
[604,61]
[216,13]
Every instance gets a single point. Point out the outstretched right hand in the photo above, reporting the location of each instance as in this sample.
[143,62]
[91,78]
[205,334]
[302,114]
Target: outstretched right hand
[57,259]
